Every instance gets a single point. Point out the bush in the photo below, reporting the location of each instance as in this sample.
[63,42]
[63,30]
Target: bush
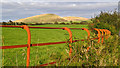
[62,23]
[106,54]
[107,20]
[4,23]
[67,23]
[56,22]
[76,23]
[22,23]
[71,22]
[83,22]
[38,23]
[104,26]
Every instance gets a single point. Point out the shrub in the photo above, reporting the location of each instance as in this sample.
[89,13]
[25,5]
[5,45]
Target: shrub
[71,22]
[4,23]
[39,23]
[104,26]
[56,22]
[83,22]
[62,23]
[67,23]
[106,54]
[107,20]
[22,23]
[76,23]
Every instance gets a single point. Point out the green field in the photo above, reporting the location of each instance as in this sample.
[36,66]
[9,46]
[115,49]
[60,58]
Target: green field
[39,54]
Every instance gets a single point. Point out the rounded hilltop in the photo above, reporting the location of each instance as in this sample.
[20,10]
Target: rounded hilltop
[49,18]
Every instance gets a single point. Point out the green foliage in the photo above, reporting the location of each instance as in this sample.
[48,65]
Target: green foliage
[105,26]
[4,23]
[56,22]
[62,23]
[71,22]
[13,23]
[106,54]
[107,20]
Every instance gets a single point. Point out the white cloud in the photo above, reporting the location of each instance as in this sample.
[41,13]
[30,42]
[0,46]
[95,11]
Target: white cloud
[73,5]
[60,0]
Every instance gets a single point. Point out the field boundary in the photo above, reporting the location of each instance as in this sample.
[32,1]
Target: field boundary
[105,33]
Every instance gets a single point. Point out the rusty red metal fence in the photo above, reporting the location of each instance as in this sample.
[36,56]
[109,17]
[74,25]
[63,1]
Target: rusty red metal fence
[28,45]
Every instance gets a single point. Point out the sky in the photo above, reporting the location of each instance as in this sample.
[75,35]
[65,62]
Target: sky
[17,9]
[60,0]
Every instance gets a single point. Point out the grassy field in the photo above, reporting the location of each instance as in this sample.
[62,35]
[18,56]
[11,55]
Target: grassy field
[42,54]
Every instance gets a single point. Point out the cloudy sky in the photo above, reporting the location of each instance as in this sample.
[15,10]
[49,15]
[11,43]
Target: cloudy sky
[17,9]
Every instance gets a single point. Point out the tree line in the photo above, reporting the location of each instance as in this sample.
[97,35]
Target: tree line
[10,22]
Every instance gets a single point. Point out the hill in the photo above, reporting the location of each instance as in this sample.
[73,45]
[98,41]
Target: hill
[70,18]
[43,18]
[49,18]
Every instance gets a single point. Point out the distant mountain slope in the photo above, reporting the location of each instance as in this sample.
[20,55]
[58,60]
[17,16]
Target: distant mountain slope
[71,18]
[43,18]
[49,18]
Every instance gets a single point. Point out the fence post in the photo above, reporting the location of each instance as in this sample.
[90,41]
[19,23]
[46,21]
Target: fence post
[87,32]
[70,37]
[28,42]
[102,35]
[98,34]
[107,32]
[88,35]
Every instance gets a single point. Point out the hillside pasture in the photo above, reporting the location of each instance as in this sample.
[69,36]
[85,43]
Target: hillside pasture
[39,54]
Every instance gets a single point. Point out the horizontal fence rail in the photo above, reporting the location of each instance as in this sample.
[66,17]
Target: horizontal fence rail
[36,27]
[28,45]
[39,44]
